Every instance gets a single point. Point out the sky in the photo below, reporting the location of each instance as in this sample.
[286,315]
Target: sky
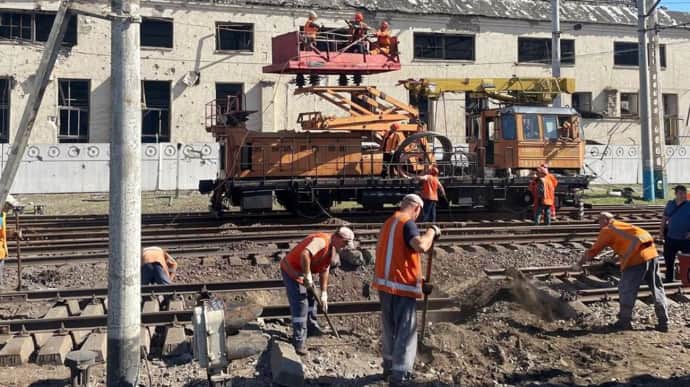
[676,5]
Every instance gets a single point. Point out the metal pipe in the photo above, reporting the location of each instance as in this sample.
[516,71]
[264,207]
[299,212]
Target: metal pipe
[556,45]
[18,235]
[124,277]
[645,122]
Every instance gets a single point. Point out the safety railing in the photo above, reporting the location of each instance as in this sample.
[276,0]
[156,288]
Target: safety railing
[223,112]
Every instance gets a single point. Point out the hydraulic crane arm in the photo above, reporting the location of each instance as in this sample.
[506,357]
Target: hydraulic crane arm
[513,90]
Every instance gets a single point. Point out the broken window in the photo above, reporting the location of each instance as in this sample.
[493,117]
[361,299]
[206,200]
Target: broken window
[538,50]
[443,46]
[630,105]
[35,27]
[156,32]
[73,107]
[155,114]
[229,98]
[234,37]
[421,102]
[582,102]
[4,110]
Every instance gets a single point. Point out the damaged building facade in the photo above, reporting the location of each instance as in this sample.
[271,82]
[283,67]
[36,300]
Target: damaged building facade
[194,52]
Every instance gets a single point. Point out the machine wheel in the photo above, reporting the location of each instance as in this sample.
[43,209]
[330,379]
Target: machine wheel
[310,210]
[419,151]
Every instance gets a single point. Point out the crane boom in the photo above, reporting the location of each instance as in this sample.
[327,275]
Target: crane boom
[540,91]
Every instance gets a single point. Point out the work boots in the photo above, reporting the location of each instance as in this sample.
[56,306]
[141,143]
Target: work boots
[620,326]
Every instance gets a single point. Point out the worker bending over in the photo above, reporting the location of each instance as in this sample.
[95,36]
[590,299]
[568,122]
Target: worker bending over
[391,141]
[637,253]
[10,203]
[157,266]
[544,193]
[674,229]
[383,40]
[398,278]
[431,186]
[310,31]
[312,255]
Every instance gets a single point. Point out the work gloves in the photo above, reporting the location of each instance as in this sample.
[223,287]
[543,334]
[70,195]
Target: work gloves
[427,288]
[308,282]
[437,231]
[324,301]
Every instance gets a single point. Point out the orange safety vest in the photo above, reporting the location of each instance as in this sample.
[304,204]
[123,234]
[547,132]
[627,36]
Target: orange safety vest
[3,237]
[157,255]
[549,198]
[398,267]
[392,140]
[292,263]
[430,188]
[310,29]
[633,244]
[383,38]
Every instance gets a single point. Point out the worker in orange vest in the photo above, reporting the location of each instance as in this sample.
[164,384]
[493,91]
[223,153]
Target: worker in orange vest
[554,181]
[638,263]
[157,266]
[398,278]
[544,193]
[391,141]
[431,186]
[310,30]
[383,40]
[10,203]
[314,254]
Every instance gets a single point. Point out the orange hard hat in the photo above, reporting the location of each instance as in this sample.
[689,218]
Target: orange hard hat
[359,17]
[434,170]
[395,126]
[384,25]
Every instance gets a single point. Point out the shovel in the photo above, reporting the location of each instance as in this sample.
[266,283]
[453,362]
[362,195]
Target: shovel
[328,319]
[424,351]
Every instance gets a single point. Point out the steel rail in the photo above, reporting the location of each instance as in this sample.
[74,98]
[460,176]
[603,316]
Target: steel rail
[59,295]
[27,326]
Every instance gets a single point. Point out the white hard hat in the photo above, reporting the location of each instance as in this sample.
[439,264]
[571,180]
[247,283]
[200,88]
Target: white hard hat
[413,198]
[313,15]
[347,234]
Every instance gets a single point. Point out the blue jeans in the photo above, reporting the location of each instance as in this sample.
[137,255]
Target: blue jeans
[153,273]
[399,329]
[543,209]
[302,309]
[429,211]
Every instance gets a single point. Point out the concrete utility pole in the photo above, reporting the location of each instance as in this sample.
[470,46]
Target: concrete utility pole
[657,111]
[124,278]
[556,45]
[26,124]
[646,144]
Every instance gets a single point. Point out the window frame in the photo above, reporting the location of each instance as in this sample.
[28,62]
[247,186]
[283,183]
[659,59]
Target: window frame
[590,97]
[160,111]
[71,35]
[159,20]
[616,53]
[78,109]
[548,59]
[555,119]
[523,118]
[636,113]
[219,48]
[444,56]
[7,108]
[513,128]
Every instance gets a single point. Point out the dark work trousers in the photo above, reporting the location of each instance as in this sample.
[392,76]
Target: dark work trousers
[153,273]
[302,309]
[631,279]
[671,248]
[399,330]
[385,170]
[429,211]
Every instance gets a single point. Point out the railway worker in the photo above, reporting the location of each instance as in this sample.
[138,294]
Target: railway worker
[391,140]
[554,181]
[398,278]
[431,186]
[358,31]
[314,254]
[310,30]
[543,192]
[10,203]
[638,263]
[674,229]
[383,40]
[157,266]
